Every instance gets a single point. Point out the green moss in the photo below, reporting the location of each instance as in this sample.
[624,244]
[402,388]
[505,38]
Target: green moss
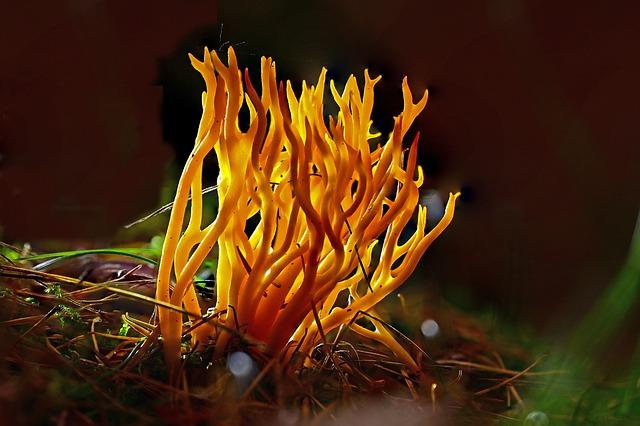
[66,313]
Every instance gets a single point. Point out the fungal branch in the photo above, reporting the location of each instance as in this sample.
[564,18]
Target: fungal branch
[322,198]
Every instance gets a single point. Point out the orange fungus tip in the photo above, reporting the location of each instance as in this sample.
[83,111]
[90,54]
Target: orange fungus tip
[322,193]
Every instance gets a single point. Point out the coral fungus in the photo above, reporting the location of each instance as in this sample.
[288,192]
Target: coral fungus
[322,196]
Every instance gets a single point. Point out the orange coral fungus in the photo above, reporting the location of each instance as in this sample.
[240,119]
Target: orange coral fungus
[322,197]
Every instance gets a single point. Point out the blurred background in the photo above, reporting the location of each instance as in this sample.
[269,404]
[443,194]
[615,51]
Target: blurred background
[533,114]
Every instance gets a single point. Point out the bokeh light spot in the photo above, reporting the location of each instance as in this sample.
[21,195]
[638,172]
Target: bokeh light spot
[536,418]
[240,364]
[430,329]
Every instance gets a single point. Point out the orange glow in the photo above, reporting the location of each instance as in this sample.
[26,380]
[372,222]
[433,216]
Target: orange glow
[323,197]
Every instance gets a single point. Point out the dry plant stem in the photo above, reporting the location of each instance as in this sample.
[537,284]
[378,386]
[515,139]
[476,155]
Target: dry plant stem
[323,198]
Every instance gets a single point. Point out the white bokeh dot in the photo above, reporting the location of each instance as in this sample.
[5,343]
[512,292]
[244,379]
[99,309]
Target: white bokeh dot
[536,418]
[240,364]
[435,206]
[430,329]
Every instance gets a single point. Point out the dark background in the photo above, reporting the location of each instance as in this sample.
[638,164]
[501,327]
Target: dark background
[533,112]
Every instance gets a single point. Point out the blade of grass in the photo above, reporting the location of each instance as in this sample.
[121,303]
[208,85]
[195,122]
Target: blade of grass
[166,208]
[64,255]
[613,306]
[577,357]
